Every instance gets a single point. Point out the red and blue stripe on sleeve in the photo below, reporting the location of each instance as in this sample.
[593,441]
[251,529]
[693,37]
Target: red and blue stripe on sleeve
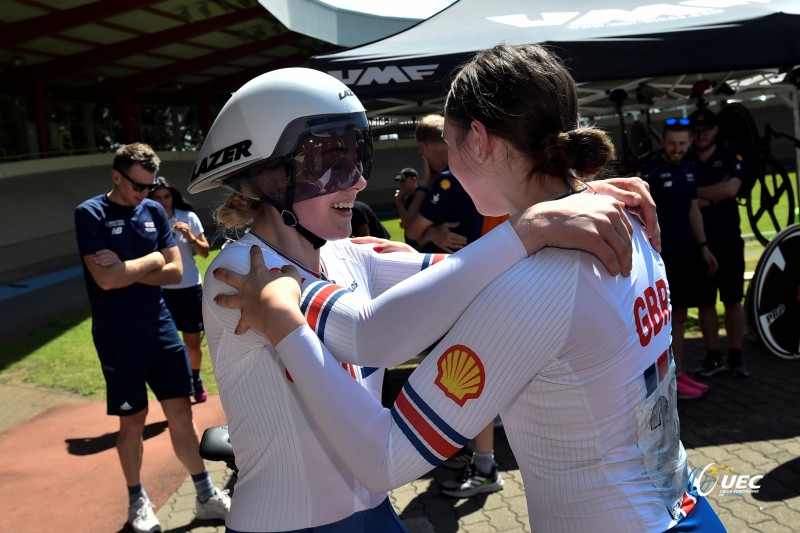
[317,304]
[431,436]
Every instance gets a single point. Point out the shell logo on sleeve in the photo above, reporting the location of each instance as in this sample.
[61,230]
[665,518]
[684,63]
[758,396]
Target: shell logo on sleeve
[461,375]
[445,184]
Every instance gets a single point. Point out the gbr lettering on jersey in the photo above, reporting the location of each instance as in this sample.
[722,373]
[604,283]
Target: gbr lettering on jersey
[651,311]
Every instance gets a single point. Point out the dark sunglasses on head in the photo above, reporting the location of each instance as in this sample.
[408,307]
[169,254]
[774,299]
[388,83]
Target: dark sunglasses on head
[138,187]
[676,121]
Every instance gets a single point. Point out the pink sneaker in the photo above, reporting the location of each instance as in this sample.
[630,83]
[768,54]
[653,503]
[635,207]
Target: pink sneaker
[702,387]
[200,393]
[687,392]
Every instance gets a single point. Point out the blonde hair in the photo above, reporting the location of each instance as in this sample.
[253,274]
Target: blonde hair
[429,129]
[237,212]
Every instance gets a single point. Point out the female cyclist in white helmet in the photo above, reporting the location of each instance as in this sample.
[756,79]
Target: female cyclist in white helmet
[295,148]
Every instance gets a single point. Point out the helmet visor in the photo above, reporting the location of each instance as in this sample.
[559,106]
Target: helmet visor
[314,156]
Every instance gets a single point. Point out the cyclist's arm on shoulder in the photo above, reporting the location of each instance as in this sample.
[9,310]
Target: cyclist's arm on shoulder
[407,318]
[434,414]
[237,259]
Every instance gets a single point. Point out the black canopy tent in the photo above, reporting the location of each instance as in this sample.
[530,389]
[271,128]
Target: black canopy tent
[606,44]
[599,40]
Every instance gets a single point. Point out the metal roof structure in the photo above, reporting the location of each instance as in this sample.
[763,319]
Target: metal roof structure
[155,51]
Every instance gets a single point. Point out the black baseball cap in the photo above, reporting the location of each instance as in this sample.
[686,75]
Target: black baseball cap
[406,173]
[703,118]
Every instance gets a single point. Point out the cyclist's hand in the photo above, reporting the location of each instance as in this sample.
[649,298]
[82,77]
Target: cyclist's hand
[267,298]
[383,246]
[635,194]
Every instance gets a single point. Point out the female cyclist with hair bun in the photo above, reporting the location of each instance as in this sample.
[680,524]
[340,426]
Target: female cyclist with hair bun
[576,360]
[294,148]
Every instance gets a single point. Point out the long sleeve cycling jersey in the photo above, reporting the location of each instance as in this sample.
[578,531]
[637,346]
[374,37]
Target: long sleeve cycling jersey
[289,476]
[575,360]
[376,332]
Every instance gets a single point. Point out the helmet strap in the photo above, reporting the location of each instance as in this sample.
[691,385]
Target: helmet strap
[287,212]
[315,241]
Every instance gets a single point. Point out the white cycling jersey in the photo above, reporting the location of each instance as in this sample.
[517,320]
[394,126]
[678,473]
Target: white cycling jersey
[289,476]
[578,364]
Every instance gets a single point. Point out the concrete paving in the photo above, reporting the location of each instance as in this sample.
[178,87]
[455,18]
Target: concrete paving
[751,425]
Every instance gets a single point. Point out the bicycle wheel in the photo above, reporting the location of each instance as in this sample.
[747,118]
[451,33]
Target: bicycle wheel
[770,206]
[774,304]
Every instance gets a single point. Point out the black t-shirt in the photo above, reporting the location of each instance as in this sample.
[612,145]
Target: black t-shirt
[363,214]
[721,219]
[449,202]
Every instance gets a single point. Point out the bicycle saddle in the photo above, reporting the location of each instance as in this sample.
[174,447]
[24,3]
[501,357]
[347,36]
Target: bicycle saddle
[215,445]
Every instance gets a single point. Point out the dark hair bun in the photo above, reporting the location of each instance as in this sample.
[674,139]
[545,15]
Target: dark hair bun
[584,150]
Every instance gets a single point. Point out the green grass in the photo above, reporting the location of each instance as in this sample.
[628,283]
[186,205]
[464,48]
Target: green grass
[66,361]
[61,356]
[393,226]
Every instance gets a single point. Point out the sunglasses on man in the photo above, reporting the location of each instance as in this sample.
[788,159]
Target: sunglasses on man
[677,121]
[138,187]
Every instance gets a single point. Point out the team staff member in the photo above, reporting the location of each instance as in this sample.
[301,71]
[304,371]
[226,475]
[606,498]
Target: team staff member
[128,253]
[442,215]
[719,178]
[304,150]
[578,404]
[687,256]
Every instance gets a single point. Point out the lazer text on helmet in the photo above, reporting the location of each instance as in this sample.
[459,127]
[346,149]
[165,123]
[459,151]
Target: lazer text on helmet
[229,154]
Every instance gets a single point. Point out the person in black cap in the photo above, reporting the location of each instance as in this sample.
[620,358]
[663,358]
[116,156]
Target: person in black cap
[406,183]
[719,178]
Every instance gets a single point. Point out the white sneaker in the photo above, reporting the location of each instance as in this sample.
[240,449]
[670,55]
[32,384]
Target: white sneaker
[215,508]
[142,518]
[472,481]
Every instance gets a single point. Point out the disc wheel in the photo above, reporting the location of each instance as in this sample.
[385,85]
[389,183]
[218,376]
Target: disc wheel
[774,296]
[772,191]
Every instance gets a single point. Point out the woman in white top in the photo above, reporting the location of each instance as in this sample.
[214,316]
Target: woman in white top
[576,361]
[185,299]
[294,146]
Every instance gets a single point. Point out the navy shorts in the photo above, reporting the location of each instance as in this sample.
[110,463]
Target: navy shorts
[132,359]
[729,279]
[381,518]
[186,307]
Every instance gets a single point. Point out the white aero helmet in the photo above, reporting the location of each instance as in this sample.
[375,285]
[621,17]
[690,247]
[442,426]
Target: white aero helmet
[286,136]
